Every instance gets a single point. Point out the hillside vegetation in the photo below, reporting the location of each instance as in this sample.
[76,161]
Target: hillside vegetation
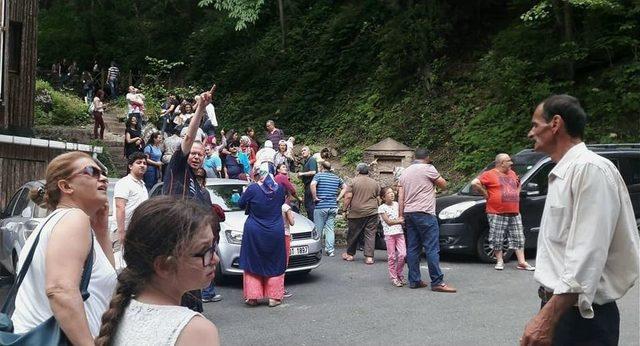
[459,77]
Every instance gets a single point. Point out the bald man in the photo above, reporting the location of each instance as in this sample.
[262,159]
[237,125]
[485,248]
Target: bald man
[501,187]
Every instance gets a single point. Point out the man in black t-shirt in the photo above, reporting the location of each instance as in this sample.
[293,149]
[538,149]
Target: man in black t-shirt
[180,179]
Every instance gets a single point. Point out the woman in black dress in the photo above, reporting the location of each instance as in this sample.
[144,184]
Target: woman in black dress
[132,137]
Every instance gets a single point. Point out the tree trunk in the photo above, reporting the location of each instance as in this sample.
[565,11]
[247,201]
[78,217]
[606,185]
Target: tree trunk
[568,34]
[282,27]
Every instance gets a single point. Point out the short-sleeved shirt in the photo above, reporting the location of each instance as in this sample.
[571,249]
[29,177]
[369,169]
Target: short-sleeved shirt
[327,189]
[309,165]
[131,190]
[234,167]
[503,190]
[213,162]
[283,180]
[392,213]
[180,179]
[365,197]
[417,181]
[275,137]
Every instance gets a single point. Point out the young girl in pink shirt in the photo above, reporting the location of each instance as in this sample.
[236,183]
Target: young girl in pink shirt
[393,235]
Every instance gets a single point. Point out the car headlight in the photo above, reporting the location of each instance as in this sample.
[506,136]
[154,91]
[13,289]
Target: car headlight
[453,211]
[233,236]
[315,234]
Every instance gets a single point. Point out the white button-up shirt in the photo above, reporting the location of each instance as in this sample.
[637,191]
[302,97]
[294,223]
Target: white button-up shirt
[588,242]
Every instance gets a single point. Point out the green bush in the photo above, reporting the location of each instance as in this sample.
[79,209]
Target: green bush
[66,109]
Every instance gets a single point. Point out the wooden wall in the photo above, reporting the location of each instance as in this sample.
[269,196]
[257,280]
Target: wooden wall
[19,164]
[19,87]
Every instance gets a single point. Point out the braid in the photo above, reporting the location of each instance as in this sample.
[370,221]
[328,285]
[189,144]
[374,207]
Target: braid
[128,285]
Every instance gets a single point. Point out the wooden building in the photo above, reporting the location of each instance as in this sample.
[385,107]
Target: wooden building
[22,158]
[19,59]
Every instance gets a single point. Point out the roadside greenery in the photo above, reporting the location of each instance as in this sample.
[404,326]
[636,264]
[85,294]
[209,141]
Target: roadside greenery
[54,107]
[459,77]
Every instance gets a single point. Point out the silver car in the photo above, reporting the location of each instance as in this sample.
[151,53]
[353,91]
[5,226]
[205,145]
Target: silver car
[306,248]
[20,218]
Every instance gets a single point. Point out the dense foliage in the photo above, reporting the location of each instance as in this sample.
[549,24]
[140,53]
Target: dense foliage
[53,107]
[460,77]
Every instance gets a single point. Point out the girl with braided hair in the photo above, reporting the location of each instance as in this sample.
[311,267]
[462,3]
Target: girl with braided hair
[169,250]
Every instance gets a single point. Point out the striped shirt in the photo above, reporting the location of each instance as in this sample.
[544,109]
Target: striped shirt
[327,189]
[113,73]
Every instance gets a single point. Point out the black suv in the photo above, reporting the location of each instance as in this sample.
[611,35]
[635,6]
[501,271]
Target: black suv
[463,221]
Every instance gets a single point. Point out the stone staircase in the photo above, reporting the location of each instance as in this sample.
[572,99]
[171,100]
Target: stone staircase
[114,140]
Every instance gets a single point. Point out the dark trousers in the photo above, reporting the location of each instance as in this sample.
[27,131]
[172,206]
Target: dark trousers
[367,225]
[98,122]
[423,232]
[602,329]
[309,204]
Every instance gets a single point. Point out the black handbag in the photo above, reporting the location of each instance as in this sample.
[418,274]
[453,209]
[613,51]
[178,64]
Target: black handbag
[48,332]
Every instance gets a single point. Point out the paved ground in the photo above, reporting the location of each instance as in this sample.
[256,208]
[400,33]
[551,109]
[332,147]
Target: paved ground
[344,303]
[350,303]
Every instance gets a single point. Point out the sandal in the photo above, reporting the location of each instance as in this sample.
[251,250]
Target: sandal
[347,257]
[368,260]
[251,302]
[526,266]
[397,283]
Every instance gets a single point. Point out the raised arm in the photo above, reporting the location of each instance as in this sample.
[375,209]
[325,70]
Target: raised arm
[202,101]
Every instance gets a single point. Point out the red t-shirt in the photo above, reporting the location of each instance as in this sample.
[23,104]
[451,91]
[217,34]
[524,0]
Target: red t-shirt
[503,190]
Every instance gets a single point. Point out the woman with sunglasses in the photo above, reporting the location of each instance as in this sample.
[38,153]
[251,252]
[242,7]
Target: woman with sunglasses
[170,250]
[76,192]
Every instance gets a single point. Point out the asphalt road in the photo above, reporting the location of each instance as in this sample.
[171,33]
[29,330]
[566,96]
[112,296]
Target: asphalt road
[352,303]
[344,303]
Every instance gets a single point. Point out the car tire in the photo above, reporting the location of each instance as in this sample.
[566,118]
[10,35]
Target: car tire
[484,253]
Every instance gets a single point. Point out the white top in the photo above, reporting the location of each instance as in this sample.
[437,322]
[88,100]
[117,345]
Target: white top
[588,242]
[148,324]
[133,191]
[392,214]
[265,155]
[285,209]
[32,304]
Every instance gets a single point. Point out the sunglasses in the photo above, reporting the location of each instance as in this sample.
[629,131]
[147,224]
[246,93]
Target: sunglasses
[91,171]
[207,255]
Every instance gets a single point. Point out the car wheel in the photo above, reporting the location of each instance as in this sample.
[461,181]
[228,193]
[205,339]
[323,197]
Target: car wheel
[485,253]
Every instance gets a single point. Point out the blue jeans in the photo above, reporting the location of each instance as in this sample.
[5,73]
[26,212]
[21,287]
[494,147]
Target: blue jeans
[209,292]
[423,231]
[113,87]
[324,218]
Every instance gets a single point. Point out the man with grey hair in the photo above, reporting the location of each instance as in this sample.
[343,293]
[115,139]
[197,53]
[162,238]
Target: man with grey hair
[588,242]
[274,134]
[501,188]
[324,188]
[361,209]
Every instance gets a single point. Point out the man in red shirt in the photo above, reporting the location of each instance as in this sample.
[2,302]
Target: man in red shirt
[501,187]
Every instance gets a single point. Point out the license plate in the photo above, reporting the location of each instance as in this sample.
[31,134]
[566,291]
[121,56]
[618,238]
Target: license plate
[299,250]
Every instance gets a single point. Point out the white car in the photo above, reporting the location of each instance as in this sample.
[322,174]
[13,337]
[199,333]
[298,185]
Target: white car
[306,248]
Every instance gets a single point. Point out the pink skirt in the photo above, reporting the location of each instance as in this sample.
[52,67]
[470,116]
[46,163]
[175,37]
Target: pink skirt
[261,287]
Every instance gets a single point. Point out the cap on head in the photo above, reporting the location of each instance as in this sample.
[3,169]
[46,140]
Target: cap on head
[362,168]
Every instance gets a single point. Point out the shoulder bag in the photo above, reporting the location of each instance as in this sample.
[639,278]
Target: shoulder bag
[49,332]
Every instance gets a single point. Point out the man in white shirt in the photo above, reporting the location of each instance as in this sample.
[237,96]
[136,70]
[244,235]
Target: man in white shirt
[265,154]
[129,192]
[135,104]
[588,243]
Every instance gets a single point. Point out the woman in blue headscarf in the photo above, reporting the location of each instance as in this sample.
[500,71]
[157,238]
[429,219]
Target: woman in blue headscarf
[262,253]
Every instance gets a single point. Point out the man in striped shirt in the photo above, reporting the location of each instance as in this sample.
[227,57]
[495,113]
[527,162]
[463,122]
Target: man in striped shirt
[326,189]
[112,79]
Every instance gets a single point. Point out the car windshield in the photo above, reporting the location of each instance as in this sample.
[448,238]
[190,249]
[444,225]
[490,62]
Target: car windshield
[226,196]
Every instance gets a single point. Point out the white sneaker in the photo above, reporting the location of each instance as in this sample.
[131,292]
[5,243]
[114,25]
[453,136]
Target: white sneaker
[499,266]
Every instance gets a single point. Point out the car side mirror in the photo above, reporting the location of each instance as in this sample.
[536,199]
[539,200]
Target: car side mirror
[529,190]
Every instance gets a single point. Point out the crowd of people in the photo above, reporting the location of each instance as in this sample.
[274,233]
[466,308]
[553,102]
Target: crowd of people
[169,242]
